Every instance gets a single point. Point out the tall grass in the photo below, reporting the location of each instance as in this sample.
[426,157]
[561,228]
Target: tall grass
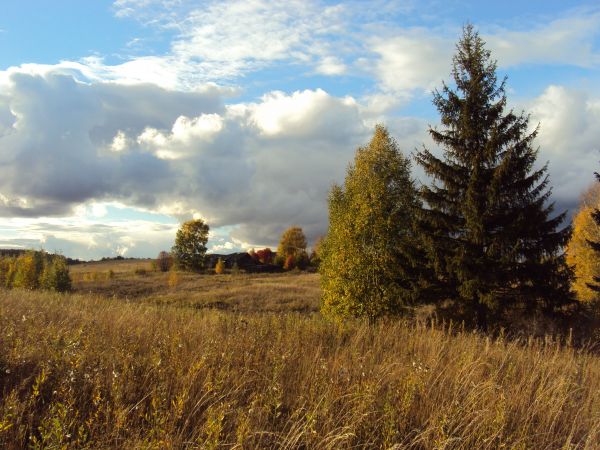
[81,371]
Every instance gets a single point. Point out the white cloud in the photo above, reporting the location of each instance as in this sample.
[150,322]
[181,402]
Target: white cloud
[225,39]
[569,138]
[303,113]
[257,166]
[86,235]
[568,40]
[410,60]
[152,134]
[119,142]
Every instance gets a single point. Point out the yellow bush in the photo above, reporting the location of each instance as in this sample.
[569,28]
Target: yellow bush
[220,267]
[173,279]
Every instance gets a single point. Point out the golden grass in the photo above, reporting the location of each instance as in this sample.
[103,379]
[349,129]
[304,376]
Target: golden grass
[285,292]
[84,371]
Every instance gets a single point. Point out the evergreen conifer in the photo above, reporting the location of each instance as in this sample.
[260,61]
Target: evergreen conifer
[490,231]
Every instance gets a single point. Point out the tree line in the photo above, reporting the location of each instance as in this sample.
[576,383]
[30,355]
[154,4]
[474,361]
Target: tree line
[189,251]
[480,240]
[35,270]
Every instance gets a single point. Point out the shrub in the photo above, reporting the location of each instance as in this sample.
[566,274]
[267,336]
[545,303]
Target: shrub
[173,279]
[164,262]
[56,275]
[220,267]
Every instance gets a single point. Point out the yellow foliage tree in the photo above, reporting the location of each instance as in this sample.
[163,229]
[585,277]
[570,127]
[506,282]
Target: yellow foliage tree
[30,266]
[292,243]
[367,256]
[173,279]
[580,255]
[220,266]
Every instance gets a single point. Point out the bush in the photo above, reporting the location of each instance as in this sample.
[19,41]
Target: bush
[220,267]
[164,262]
[173,279]
[56,275]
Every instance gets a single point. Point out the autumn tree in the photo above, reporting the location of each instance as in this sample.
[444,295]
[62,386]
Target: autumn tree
[491,234]
[164,261]
[189,250]
[593,242]
[581,256]
[220,266]
[29,268]
[55,276]
[366,265]
[265,256]
[292,243]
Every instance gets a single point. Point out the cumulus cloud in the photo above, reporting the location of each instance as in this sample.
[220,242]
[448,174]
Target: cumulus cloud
[152,132]
[58,143]
[569,138]
[568,40]
[411,60]
[88,235]
[258,166]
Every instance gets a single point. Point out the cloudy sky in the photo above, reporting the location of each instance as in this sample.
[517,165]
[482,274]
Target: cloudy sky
[119,119]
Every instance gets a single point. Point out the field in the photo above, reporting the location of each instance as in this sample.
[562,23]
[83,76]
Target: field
[139,360]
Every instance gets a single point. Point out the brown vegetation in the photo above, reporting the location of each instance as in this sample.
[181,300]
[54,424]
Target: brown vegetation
[284,292]
[90,371]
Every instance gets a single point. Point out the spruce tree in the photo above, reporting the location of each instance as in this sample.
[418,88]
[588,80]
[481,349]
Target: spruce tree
[366,258]
[489,227]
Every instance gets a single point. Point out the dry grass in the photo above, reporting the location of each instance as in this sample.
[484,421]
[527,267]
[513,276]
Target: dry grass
[286,292]
[84,371]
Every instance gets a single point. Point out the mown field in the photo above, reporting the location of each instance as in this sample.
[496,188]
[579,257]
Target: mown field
[246,361]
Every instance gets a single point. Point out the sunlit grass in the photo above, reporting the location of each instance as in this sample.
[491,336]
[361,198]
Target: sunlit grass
[84,371]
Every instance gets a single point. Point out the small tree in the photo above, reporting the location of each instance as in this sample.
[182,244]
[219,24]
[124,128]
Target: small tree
[220,266]
[164,261]
[581,256]
[189,250]
[592,241]
[56,275]
[366,259]
[29,268]
[292,243]
[265,255]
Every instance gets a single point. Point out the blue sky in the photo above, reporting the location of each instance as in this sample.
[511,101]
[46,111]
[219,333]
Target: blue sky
[119,119]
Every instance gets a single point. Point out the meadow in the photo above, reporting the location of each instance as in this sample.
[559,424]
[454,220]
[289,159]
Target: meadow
[136,359]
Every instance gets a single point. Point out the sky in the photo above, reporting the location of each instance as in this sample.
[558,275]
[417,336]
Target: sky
[121,119]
